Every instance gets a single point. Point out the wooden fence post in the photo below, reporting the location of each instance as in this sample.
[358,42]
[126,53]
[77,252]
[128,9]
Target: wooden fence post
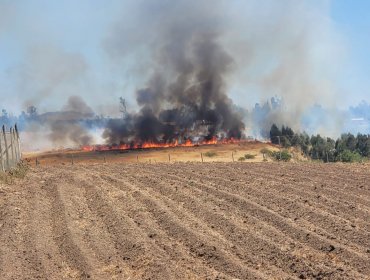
[169,157]
[18,142]
[232,155]
[201,156]
[13,161]
[6,149]
[1,155]
[15,146]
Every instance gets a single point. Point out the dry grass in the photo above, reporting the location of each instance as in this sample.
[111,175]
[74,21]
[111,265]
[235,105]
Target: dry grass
[19,172]
[212,153]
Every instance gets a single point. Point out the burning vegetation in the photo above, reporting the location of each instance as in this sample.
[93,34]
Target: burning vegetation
[181,60]
[184,101]
[149,145]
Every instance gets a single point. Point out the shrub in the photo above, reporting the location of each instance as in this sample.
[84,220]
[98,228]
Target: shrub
[210,154]
[19,172]
[348,156]
[249,156]
[241,159]
[265,151]
[284,155]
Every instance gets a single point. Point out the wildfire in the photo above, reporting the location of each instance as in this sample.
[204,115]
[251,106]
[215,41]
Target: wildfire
[150,145]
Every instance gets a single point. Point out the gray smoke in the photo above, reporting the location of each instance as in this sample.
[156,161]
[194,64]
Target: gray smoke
[187,89]
[64,127]
[187,61]
[50,73]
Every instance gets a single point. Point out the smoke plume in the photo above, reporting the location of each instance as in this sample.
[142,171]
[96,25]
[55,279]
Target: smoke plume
[66,127]
[186,91]
[187,69]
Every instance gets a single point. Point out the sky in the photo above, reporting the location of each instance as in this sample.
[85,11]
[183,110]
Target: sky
[52,49]
[353,21]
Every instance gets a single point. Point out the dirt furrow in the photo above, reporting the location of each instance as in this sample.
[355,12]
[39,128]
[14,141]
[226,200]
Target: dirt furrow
[311,186]
[306,211]
[238,235]
[347,182]
[137,251]
[192,237]
[228,207]
[186,221]
[304,208]
[122,197]
[76,260]
[313,239]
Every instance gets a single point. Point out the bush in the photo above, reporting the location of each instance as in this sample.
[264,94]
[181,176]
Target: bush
[18,172]
[249,156]
[265,151]
[210,154]
[348,156]
[241,159]
[284,155]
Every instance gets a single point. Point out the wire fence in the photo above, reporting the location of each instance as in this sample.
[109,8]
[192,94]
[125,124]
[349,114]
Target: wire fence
[10,148]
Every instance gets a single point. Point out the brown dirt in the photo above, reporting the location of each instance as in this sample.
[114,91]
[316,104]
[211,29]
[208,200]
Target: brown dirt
[187,221]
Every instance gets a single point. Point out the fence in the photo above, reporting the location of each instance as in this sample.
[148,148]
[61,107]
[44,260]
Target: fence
[10,148]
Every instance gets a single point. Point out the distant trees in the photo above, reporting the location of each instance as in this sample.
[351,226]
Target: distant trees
[275,133]
[282,136]
[347,148]
[32,111]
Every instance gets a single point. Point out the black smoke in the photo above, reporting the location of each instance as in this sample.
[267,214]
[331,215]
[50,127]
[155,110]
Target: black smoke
[186,94]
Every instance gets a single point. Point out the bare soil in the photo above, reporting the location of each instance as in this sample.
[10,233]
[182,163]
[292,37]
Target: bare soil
[187,221]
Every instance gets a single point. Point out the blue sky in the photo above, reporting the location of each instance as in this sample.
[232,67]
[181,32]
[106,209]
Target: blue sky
[353,21]
[73,35]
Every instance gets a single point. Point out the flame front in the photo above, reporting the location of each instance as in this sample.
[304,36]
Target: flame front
[150,145]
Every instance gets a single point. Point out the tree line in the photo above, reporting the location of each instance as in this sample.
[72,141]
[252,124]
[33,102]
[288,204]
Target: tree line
[347,148]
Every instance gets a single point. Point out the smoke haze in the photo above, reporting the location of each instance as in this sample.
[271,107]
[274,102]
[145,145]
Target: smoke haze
[186,69]
[189,66]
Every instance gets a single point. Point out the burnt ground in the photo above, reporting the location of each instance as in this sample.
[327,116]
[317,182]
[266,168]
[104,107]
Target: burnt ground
[187,221]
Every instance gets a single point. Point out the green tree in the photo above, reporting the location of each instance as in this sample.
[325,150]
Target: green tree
[275,133]
[363,144]
[349,156]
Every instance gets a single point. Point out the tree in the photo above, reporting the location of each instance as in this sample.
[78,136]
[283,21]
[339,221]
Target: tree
[351,142]
[287,131]
[275,133]
[349,156]
[363,145]
[32,112]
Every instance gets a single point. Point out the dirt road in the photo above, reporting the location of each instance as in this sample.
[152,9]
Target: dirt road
[187,221]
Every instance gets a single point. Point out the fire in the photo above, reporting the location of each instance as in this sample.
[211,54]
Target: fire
[150,145]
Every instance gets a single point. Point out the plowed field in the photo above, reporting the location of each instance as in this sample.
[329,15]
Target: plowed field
[187,221]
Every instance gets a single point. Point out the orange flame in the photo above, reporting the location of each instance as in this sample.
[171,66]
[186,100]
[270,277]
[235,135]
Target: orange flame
[150,145]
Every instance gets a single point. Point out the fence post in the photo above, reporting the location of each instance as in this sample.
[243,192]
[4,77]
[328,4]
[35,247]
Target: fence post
[6,149]
[15,146]
[1,155]
[13,161]
[18,142]
[201,156]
